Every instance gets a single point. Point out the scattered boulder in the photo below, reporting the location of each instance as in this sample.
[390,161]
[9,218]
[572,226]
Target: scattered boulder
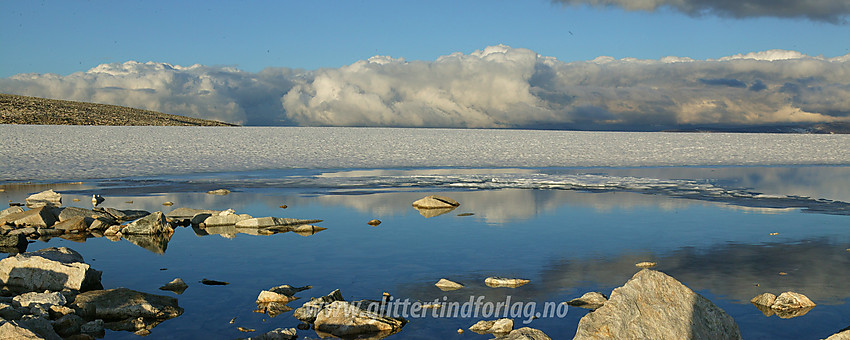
[177,286]
[345,319]
[52,269]
[277,334]
[435,202]
[11,210]
[502,326]
[310,309]
[653,305]
[46,298]
[220,192]
[123,303]
[787,305]
[791,300]
[590,300]
[47,198]
[525,333]
[37,217]
[445,285]
[266,222]
[496,282]
[149,225]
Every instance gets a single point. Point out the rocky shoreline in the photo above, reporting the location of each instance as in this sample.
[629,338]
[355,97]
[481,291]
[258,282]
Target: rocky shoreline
[53,294]
[15,109]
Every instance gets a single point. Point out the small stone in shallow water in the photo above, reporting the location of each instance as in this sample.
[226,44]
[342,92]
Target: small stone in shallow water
[645,264]
[465,214]
[445,284]
[76,200]
[773,234]
[220,192]
[233,320]
[169,203]
[214,282]
[499,282]
[283,206]
[374,223]
[783,273]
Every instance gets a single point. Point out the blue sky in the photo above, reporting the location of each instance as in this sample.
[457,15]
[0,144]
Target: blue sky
[70,36]
[522,63]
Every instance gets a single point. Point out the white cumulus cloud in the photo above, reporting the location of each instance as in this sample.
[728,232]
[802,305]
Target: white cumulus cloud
[496,87]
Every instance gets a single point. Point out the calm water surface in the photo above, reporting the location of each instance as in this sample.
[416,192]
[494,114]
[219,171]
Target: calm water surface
[568,230]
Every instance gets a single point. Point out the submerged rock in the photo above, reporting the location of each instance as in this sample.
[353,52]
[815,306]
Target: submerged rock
[48,198]
[445,285]
[496,282]
[52,269]
[590,300]
[653,305]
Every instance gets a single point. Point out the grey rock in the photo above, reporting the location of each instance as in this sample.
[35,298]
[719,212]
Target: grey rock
[123,303]
[122,215]
[73,212]
[590,300]
[152,224]
[92,327]
[52,269]
[11,210]
[791,300]
[446,284]
[653,305]
[22,231]
[187,213]
[283,293]
[220,192]
[11,330]
[343,319]
[763,302]
[40,326]
[495,282]
[308,311]
[48,198]
[525,333]
[46,298]
[266,222]
[13,240]
[502,326]
[68,325]
[38,217]
[277,334]
[224,220]
[435,202]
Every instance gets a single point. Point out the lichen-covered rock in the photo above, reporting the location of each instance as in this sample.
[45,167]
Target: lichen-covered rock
[38,217]
[525,333]
[48,198]
[123,303]
[653,305]
[152,224]
[344,319]
[52,269]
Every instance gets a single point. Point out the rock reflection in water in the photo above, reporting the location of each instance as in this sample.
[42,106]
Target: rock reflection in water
[156,243]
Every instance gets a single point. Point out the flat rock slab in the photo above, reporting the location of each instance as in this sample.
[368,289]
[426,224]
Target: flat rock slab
[52,269]
[653,305]
[38,217]
[47,198]
[123,303]
[224,220]
[266,222]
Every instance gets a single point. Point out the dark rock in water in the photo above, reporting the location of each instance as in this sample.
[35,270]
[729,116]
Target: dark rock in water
[308,311]
[214,282]
[52,269]
[177,286]
[525,333]
[590,300]
[123,303]
[347,319]
[653,305]
[48,198]
[38,217]
[149,225]
[40,326]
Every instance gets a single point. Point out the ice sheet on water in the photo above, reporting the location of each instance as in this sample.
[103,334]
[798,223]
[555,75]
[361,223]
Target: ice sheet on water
[81,152]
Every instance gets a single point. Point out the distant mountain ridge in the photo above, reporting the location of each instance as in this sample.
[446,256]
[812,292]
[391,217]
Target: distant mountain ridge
[15,109]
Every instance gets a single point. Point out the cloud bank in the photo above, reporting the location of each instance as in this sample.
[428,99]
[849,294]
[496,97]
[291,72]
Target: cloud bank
[497,87]
[832,11]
